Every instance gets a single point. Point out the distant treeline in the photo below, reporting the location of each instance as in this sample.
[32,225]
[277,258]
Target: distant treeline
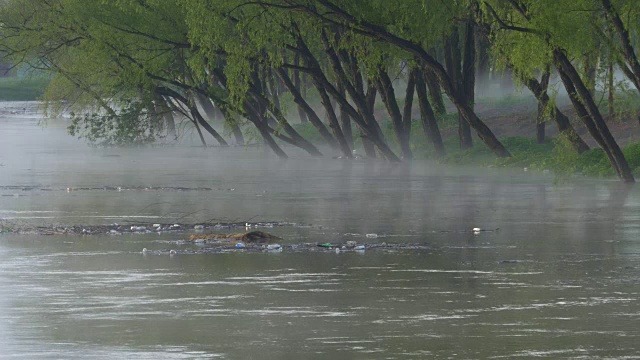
[131,66]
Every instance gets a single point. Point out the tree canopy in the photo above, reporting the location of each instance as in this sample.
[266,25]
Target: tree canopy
[126,67]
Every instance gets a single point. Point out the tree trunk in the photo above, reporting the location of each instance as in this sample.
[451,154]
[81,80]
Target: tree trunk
[627,48]
[297,84]
[611,146]
[408,103]
[435,93]
[311,115]
[345,120]
[260,124]
[198,117]
[370,96]
[468,83]
[542,106]
[427,60]
[314,69]
[562,121]
[482,64]
[429,122]
[333,121]
[610,90]
[169,121]
[388,96]
[282,122]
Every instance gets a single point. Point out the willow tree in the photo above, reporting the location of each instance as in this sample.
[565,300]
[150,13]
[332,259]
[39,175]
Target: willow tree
[412,26]
[533,35]
[99,55]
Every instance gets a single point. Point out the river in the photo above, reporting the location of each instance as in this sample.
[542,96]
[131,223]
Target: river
[556,274]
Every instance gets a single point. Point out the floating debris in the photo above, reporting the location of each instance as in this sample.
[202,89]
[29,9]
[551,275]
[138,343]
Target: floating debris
[225,247]
[371,236]
[274,247]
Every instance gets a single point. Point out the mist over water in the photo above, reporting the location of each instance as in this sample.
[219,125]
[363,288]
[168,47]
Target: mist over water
[557,277]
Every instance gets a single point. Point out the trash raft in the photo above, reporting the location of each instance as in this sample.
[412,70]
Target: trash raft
[259,241]
[207,238]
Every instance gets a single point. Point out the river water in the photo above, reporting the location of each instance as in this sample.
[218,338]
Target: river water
[557,275]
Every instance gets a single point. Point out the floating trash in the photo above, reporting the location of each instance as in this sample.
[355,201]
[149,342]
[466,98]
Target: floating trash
[198,227]
[138,228]
[476,230]
[359,248]
[371,236]
[240,245]
[144,250]
[337,250]
[351,243]
[172,252]
[157,226]
[274,247]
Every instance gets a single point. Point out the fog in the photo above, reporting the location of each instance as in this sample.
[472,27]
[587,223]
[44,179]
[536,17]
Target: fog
[556,268]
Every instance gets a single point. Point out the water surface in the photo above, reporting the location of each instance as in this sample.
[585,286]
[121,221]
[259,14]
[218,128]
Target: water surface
[558,278]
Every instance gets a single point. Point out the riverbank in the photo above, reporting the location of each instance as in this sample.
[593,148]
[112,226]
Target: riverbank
[22,88]
[512,118]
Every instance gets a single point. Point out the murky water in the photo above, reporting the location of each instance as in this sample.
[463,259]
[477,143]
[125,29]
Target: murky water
[559,279]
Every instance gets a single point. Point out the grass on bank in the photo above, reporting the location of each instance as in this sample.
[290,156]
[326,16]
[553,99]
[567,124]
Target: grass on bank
[555,155]
[22,88]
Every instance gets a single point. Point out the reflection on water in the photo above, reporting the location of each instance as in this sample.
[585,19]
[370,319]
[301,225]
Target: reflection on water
[559,279]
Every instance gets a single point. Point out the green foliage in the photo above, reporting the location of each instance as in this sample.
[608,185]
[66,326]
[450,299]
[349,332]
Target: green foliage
[133,125]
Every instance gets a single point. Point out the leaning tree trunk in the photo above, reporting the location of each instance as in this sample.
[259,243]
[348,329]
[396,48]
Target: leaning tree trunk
[282,121]
[195,113]
[298,85]
[333,120]
[345,119]
[562,121]
[315,71]
[167,115]
[211,112]
[310,114]
[627,47]
[263,129]
[381,33]
[617,157]
[542,107]
[388,96]
[435,93]
[408,103]
[429,122]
